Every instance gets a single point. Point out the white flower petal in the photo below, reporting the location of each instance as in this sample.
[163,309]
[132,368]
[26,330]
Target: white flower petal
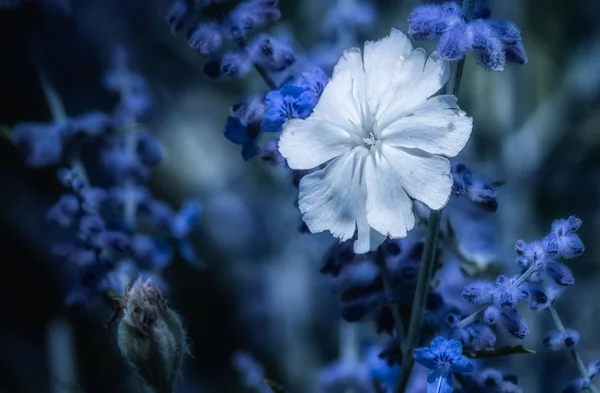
[350,59]
[425,177]
[383,65]
[333,199]
[438,127]
[417,82]
[341,102]
[308,143]
[388,208]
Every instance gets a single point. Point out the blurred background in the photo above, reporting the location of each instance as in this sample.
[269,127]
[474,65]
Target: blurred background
[536,127]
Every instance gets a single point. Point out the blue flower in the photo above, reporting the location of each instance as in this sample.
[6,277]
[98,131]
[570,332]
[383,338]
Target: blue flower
[290,102]
[493,42]
[443,358]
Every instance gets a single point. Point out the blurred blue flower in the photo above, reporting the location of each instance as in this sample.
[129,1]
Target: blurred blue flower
[559,340]
[443,358]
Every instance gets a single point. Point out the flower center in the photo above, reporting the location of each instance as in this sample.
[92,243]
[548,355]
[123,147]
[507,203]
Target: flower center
[370,141]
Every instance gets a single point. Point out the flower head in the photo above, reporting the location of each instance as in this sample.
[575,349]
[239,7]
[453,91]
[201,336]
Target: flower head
[386,139]
[443,358]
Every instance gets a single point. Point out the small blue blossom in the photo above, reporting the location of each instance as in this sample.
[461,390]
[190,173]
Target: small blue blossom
[271,53]
[178,14]
[206,37]
[443,358]
[568,243]
[290,102]
[557,341]
[249,15]
[479,191]
[243,125]
[42,143]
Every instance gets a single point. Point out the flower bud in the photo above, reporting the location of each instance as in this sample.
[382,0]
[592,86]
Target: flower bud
[151,337]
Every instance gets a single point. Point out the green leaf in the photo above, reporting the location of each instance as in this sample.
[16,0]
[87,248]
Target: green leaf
[275,387]
[495,352]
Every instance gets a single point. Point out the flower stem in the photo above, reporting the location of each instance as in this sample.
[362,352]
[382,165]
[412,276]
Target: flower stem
[242,44]
[421,292]
[430,248]
[389,294]
[574,354]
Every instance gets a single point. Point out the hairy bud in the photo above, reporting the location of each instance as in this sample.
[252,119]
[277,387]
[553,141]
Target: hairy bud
[151,337]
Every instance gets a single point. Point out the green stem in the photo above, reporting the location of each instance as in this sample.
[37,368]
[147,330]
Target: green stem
[430,248]
[389,294]
[574,354]
[421,292]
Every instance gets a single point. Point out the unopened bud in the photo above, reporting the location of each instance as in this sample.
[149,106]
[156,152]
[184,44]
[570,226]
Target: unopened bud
[151,337]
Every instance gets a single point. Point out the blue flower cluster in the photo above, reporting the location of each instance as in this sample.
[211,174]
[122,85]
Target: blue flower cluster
[116,231]
[537,260]
[293,101]
[267,54]
[492,41]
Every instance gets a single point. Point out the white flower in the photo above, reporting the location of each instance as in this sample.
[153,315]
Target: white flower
[384,140]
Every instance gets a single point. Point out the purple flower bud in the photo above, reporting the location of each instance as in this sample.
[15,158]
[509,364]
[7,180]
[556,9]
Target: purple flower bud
[506,31]
[271,53]
[249,111]
[91,124]
[568,243]
[185,219]
[428,22]
[491,315]
[93,198]
[64,212]
[232,64]
[487,46]
[557,341]
[149,149]
[206,37]
[41,143]
[249,15]
[70,179]
[178,14]
[455,42]
[560,273]
[515,323]
[593,368]
[90,225]
[478,292]
[516,54]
